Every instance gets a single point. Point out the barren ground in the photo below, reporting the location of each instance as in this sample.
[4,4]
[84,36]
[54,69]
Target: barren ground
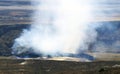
[37,66]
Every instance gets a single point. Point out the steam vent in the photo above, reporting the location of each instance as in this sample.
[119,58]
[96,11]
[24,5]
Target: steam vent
[59,37]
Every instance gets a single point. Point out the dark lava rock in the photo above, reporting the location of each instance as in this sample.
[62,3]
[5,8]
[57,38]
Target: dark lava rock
[7,35]
[37,66]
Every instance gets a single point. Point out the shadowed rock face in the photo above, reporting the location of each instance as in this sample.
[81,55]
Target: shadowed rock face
[7,35]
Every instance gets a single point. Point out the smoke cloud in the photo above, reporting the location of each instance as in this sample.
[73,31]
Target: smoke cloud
[60,27]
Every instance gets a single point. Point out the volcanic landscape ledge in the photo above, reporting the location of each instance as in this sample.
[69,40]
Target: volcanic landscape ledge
[37,66]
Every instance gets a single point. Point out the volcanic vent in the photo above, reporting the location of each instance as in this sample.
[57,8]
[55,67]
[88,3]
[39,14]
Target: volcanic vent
[59,28]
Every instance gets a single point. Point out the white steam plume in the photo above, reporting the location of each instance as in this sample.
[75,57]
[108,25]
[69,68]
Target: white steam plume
[59,27]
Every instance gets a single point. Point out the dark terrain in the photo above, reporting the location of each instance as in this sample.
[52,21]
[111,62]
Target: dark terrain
[37,66]
[7,35]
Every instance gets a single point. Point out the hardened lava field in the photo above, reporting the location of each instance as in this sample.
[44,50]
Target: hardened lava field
[37,66]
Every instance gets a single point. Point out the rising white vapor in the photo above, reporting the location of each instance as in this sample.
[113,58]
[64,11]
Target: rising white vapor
[59,27]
